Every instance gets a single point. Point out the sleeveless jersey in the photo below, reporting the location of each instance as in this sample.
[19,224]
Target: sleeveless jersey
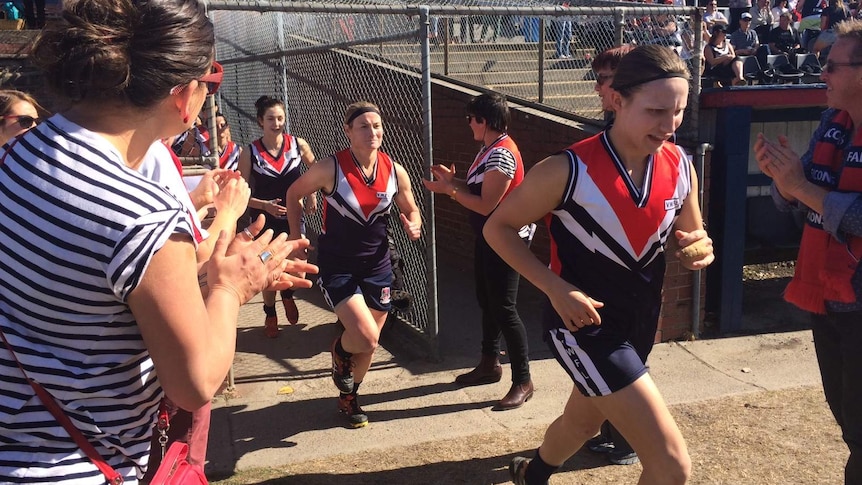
[355,216]
[229,157]
[608,235]
[501,155]
[271,176]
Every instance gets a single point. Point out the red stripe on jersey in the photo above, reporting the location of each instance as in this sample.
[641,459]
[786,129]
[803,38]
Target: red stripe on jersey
[640,223]
[276,163]
[366,194]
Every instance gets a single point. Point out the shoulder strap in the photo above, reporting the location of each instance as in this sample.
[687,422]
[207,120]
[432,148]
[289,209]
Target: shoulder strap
[50,403]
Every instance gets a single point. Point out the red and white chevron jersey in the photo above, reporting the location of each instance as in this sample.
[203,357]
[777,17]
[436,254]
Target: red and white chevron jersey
[355,216]
[608,235]
[271,176]
[229,157]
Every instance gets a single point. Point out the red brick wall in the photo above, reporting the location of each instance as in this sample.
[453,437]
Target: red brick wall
[538,135]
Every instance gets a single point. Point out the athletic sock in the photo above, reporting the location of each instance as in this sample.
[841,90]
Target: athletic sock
[269,310]
[341,352]
[356,387]
[287,294]
[539,472]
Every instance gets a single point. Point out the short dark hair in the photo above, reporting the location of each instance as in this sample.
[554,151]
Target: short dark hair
[492,108]
[131,51]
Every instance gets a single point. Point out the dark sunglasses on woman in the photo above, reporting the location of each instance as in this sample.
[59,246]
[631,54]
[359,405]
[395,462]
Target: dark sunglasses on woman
[25,121]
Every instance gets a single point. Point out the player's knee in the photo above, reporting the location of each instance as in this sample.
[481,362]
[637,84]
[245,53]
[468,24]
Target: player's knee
[674,468]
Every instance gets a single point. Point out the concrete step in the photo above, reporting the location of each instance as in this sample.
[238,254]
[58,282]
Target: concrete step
[509,77]
[527,90]
[578,69]
[457,48]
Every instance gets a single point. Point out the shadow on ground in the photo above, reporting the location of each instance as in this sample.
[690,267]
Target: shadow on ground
[477,470]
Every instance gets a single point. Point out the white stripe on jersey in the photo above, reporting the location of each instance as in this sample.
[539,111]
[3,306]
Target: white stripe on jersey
[79,230]
[291,156]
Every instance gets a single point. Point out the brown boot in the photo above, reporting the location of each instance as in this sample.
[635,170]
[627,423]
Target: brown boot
[516,397]
[488,371]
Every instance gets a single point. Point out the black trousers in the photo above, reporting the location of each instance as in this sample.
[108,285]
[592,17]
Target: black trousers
[497,293]
[34,13]
[837,341]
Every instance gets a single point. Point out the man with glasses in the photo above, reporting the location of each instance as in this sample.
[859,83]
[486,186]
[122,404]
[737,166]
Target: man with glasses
[825,184]
[604,66]
[744,40]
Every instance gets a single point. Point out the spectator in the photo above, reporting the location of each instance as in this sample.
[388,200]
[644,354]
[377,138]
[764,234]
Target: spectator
[761,19]
[744,40]
[604,288]
[721,60]
[778,8]
[824,184]
[833,15]
[496,170]
[713,16]
[360,184]
[737,8]
[123,296]
[784,38]
[34,13]
[270,165]
[18,113]
[563,34]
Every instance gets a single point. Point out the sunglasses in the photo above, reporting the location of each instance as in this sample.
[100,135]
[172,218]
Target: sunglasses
[601,79]
[831,66]
[212,80]
[25,121]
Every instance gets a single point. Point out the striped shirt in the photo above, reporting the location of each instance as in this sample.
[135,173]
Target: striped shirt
[79,230]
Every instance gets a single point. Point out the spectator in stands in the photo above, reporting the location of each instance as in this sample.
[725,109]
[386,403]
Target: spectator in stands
[833,15]
[563,35]
[784,38]
[712,16]
[825,185]
[688,48]
[18,113]
[271,164]
[778,8]
[762,19]
[34,13]
[496,170]
[360,185]
[604,288]
[721,60]
[737,8]
[744,40]
[123,296]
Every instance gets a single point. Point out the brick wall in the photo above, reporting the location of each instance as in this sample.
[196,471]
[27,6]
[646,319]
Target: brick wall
[538,135]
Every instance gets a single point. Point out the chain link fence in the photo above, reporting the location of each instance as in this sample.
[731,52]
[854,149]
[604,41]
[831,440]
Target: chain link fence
[319,58]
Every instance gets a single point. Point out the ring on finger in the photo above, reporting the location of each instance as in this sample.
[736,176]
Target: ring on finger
[248,234]
[264,256]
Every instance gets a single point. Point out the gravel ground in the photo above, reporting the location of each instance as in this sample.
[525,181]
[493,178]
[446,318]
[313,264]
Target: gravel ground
[781,437]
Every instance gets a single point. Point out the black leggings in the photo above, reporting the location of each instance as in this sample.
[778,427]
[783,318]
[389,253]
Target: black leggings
[497,293]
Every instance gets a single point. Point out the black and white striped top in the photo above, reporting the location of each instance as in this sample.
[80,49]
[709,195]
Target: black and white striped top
[79,229]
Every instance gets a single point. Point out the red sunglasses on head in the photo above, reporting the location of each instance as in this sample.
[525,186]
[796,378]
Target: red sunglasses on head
[212,80]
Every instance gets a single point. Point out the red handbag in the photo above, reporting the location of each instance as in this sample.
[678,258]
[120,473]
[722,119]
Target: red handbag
[174,469]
